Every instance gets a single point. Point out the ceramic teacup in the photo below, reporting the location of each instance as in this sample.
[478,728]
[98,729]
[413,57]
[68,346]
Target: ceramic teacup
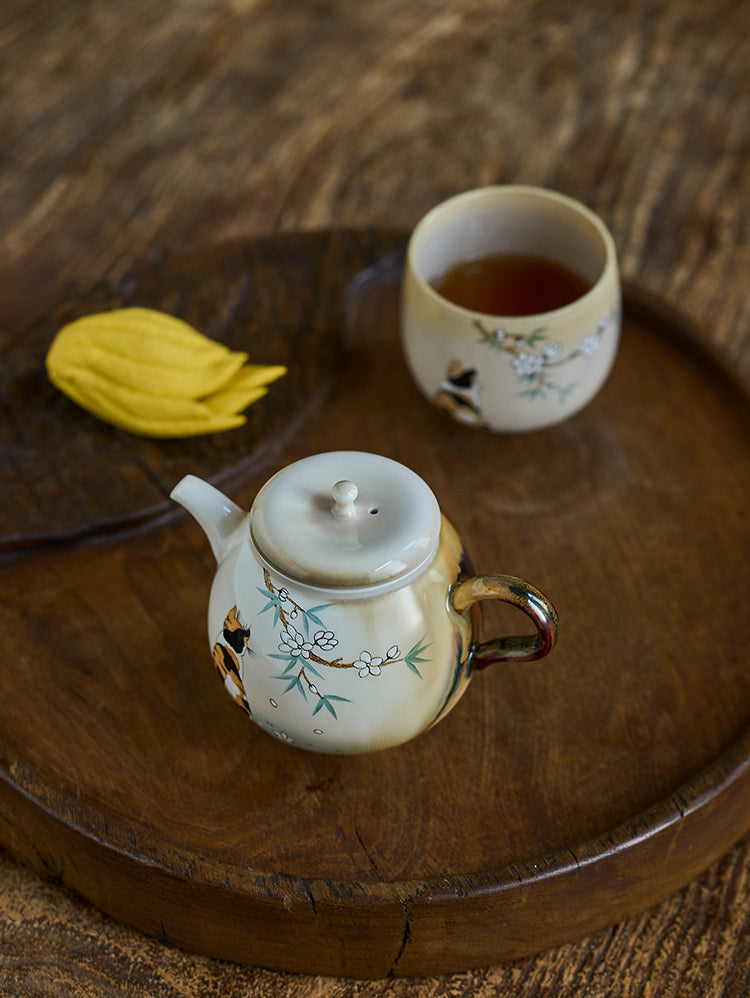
[511,372]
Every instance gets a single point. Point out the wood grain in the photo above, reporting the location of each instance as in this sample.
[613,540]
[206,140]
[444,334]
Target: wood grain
[128,773]
[58,459]
[696,943]
[234,117]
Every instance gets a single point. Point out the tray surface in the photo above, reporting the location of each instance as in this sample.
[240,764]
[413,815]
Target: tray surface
[558,796]
[58,459]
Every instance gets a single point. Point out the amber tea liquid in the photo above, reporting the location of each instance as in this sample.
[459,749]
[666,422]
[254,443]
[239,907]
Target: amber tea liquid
[510,284]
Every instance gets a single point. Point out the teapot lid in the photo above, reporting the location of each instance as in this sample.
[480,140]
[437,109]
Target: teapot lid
[346,519]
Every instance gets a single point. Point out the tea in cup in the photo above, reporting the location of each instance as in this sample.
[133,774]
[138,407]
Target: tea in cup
[511,307]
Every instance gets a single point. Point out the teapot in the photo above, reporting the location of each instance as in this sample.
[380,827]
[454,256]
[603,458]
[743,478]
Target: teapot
[342,616]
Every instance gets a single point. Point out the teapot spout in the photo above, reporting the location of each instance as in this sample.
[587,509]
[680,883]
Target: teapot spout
[216,514]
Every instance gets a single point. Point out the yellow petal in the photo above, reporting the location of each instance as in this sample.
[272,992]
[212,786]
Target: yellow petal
[143,413]
[247,386]
[153,334]
[230,400]
[159,376]
[153,374]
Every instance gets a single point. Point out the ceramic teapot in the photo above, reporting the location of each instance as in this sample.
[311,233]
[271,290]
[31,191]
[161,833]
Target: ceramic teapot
[341,615]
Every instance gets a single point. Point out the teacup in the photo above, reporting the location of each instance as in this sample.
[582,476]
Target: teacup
[511,372]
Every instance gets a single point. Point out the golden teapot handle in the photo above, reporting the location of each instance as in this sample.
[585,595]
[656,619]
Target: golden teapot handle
[519,648]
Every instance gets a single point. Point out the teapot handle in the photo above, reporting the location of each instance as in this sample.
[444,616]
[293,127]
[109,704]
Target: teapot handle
[520,648]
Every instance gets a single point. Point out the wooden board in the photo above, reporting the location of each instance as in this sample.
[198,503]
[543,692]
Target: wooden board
[58,459]
[557,798]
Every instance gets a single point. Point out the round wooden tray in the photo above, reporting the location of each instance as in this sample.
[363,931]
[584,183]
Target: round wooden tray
[557,798]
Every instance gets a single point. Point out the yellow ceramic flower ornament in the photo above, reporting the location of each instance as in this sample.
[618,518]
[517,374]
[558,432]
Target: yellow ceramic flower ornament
[153,374]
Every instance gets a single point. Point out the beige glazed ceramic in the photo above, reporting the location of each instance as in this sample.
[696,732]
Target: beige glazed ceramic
[340,617]
[511,373]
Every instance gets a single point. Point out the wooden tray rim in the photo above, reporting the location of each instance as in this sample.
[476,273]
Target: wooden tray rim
[727,775]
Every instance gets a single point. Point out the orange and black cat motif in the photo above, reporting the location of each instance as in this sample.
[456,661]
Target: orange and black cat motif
[227,651]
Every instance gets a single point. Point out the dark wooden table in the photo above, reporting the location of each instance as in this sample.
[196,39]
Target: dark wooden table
[130,131]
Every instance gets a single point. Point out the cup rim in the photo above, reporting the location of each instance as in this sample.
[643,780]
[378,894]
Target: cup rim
[508,190]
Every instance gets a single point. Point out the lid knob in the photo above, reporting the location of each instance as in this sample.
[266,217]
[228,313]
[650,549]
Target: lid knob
[344,496]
